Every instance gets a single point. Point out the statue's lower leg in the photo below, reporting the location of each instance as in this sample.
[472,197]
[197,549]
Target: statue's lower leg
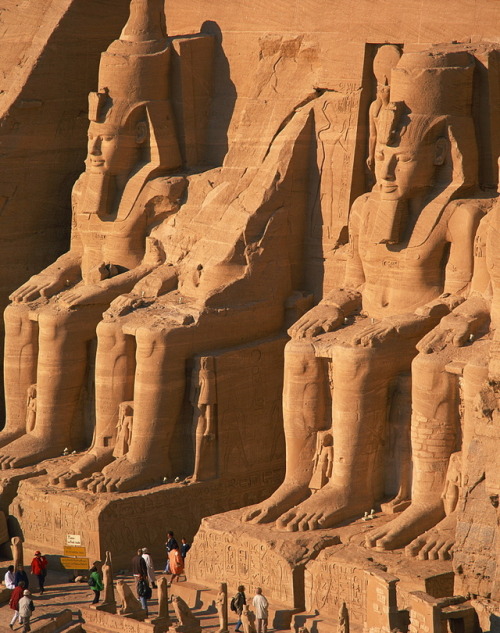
[158,399]
[359,414]
[62,362]
[114,380]
[20,361]
[305,413]
[434,429]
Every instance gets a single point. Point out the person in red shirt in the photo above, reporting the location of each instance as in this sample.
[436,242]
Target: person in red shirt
[15,596]
[39,569]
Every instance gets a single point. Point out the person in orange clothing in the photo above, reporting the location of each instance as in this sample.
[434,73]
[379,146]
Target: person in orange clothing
[39,569]
[176,563]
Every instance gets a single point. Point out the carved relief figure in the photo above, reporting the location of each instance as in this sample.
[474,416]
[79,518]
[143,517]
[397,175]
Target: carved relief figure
[31,409]
[402,234]
[124,429]
[221,605]
[53,316]
[323,462]
[204,401]
[107,577]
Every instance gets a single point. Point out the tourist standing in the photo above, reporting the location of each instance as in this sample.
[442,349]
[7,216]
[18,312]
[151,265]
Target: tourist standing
[144,592]
[239,601]
[185,547]
[26,608]
[9,578]
[139,567]
[15,596]
[95,583]
[150,566]
[176,564]
[21,576]
[260,605]
[39,569]
[169,546]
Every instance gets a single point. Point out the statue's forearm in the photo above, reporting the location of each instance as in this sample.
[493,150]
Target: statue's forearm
[68,264]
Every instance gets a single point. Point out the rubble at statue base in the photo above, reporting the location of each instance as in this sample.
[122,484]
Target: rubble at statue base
[297,340]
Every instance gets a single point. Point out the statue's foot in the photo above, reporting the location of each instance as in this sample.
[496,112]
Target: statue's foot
[436,543]
[28,450]
[410,524]
[92,461]
[283,499]
[329,506]
[123,475]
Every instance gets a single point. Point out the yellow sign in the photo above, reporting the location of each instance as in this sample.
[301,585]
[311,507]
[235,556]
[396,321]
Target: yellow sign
[70,550]
[75,563]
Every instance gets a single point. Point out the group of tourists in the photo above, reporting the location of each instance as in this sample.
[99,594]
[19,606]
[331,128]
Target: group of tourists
[260,605]
[143,570]
[20,600]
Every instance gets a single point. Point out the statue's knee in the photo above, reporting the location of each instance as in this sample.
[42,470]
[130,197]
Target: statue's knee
[51,326]
[476,372]
[149,343]
[15,319]
[108,335]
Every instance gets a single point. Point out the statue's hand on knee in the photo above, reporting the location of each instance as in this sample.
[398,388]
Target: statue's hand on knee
[123,305]
[404,326]
[453,328]
[36,287]
[375,334]
[319,320]
[84,295]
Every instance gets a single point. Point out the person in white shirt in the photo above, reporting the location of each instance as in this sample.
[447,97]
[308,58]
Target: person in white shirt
[260,604]
[8,580]
[150,566]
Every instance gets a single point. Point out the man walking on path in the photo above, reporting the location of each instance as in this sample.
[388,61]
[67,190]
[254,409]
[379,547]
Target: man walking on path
[260,605]
[26,608]
[39,569]
[15,596]
[239,601]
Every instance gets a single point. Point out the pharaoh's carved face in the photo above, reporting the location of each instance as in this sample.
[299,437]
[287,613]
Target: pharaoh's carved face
[405,170]
[113,150]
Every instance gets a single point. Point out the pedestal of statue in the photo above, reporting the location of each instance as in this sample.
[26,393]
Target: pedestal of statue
[315,572]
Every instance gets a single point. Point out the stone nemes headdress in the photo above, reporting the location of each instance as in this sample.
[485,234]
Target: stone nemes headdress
[134,81]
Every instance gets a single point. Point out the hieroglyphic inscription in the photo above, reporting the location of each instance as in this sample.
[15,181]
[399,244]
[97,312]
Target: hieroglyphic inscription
[333,583]
[100,620]
[241,560]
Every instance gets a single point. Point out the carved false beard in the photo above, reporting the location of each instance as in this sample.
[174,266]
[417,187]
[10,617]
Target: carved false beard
[99,194]
[390,221]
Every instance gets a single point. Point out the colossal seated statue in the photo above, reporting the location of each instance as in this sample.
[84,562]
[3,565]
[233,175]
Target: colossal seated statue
[121,195]
[458,346]
[225,282]
[410,264]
